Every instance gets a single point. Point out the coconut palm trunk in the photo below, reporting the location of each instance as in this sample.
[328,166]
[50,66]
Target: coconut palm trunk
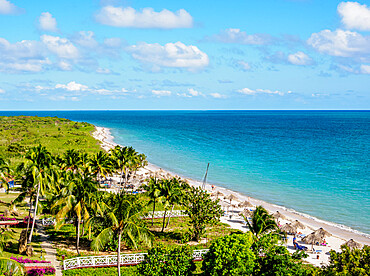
[169,217]
[119,253]
[126,177]
[153,213]
[78,236]
[29,215]
[35,212]
[164,219]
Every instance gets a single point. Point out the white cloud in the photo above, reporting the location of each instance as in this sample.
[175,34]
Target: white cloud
[340,43]
[217,95]
[299,58]
[239,37]
[2,91]
[72,86]
[365,69]
[354,15]
[6,7]
[244,65]
[193,92]
[147,18]
[247,91]
[47,22]
[64,65]
[103,71]
[160,93]
[176,55]
[86,39]
[62,47]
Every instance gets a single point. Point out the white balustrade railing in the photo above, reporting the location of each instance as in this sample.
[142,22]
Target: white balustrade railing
[160,214]
[111,260]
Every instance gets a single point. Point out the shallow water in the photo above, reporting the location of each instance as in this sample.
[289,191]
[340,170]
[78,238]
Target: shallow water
[316,162]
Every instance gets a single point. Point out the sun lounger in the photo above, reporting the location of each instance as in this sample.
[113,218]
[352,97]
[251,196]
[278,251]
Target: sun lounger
[299,247]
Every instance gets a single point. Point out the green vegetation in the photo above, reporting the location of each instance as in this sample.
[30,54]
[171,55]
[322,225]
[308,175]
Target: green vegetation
[64,183]
[20,133]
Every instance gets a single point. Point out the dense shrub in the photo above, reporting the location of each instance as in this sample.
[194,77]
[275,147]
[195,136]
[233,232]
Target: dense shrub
[160,261]
[41,271]
[230,255]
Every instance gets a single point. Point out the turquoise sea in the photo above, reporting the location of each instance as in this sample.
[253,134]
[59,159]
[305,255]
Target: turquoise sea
[315,162]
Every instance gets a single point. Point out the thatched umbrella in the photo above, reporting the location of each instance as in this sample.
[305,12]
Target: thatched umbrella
[288,228]
[246,213]
[353,244]
[217,194]
[321,232]
[231,197]
[298,224]
[278,215]
[245,204]
[312,238]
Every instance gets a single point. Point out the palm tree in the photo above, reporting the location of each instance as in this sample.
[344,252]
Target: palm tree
[75,198]
[124,158]
[152,189]
[170,195]
[125,222]
[39,161]
[100,164]
[72,160]
[4,171]
[262,222]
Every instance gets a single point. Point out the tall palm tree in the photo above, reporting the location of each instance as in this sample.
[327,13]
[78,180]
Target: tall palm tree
[125,158]
[262,222]
[39,161]
[153,190]
[125,220]
[100,164]
[170,195]
[72,160]
[74,201]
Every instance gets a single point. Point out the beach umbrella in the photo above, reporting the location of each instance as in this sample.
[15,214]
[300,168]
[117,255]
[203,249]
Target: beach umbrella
[245,204]
[312,238]
[217,194]
[298,224]
[321,232]
[353,244]
[288,228]
[246,213]
[231,197]
[278,215]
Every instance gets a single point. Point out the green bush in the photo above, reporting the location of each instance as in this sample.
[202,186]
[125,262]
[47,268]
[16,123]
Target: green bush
[103,271]
[230,255]
[160,261]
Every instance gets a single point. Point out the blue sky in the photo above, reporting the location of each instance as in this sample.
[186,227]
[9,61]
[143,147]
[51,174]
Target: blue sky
[239,54]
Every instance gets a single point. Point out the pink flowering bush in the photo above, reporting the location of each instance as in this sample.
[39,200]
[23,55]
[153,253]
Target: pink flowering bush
[3,218]
[27,261]
[41,271]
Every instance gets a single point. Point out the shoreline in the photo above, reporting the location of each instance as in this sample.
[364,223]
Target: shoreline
[341,233]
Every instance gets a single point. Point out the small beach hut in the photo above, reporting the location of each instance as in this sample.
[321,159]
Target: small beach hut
[353,244]
[322,233]
[278,216]
[231,197]
[298,224]
[288,228]
[245,204]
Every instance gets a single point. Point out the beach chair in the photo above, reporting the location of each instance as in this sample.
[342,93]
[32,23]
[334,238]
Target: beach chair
[300,247]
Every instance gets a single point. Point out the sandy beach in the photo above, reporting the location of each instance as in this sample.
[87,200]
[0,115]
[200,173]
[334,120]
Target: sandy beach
[340,234]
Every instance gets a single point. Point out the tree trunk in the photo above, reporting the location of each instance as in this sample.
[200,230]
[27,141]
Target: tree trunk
[169,217]
[119,254]
[126,175]
[153,212]
[34,213]
[120,177]
[78,236]
[29,215]
[164,220]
